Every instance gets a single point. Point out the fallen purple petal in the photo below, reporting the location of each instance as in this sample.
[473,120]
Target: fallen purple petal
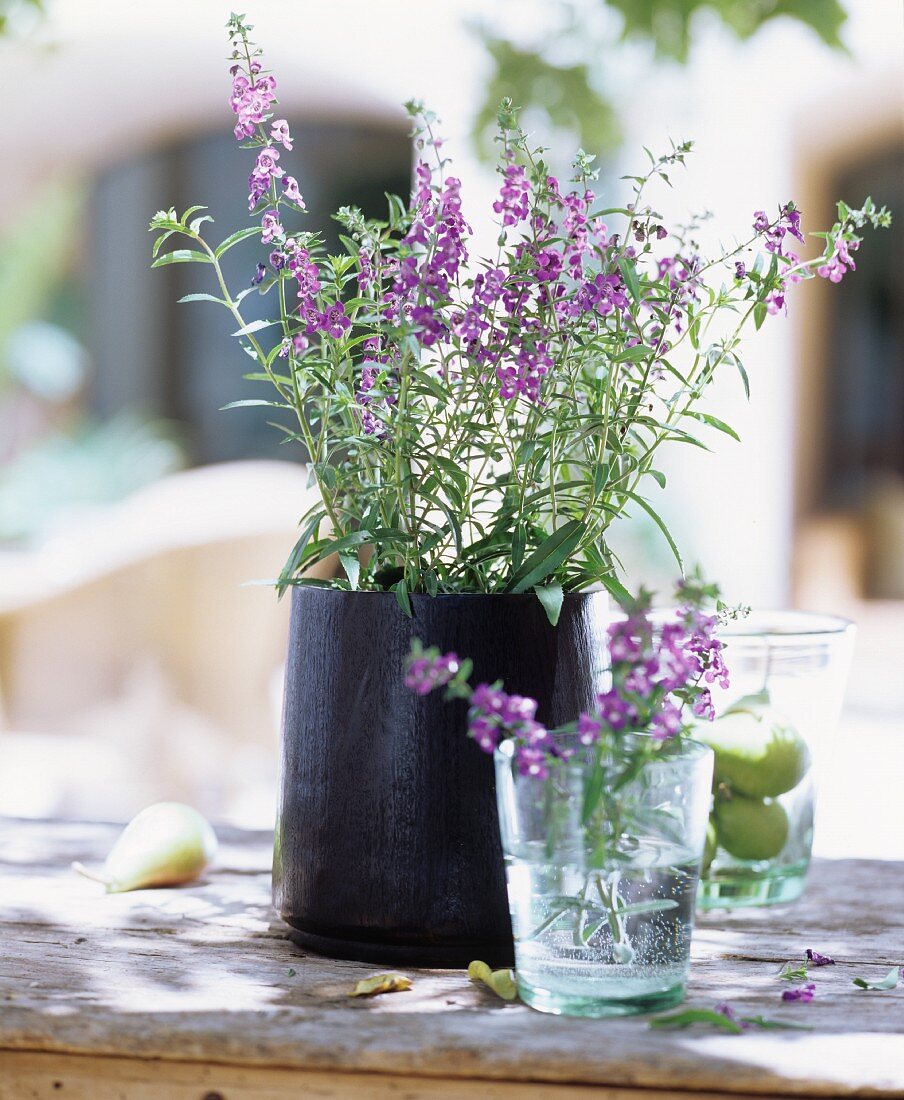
[819,960]
[801,993]
[725,1009]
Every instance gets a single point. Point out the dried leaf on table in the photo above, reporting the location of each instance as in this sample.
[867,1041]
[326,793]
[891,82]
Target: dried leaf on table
[381,983]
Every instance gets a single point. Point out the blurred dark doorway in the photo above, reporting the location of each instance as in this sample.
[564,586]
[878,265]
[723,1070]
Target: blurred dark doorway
[179,362]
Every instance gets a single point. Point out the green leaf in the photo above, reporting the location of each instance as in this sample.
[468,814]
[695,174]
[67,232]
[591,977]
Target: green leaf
[326,474]
[298,550]
[234,238]
[634,354]
[714,422]
[401,595]
[551,596]
[766,1024]
[519,542]
[254,326]
[195,225]
[691,1016]
[615,588]
[249,401]
[347,542]
[352,568]
[629,273]
[182,256]
[759,315]
[794,972]
[654,905]
[744,378]
[657,519]
[592,791]
[548,556]
[890,981]
[202,298]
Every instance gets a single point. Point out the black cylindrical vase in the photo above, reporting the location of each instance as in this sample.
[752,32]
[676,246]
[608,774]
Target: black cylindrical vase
[387,841]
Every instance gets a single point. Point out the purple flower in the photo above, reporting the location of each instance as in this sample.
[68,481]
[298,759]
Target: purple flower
[279,131]
[251,99]
[366,273]
[333,321]
[272,227]
[485,732]
[305,271]
[265,170]
[837,265]
[291,192]
[819,960]
[588,729]
[666,722]
[614,712]
[424,277]
[800,993]
[424,674]
[791,221]
[494,714]
[258,277]
[514,195]
[787,223]
[548,265]
[532,762]
[370,371]
[740,270]
[703,705]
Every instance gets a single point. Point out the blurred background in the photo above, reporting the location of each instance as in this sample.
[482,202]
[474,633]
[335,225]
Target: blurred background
[136,663]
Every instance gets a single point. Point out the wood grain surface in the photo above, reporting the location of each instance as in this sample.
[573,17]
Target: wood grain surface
[161,985]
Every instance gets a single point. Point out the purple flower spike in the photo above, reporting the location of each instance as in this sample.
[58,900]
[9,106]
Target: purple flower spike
[428,672]
[800,993]
[819,960]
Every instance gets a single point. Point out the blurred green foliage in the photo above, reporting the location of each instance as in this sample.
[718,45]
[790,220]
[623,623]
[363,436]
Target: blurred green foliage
[564,94]
[668,23]
[37,254]
[559,77]
[11,10]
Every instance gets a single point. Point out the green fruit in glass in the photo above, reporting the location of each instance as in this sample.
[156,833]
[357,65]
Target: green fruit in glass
[758,753]
[750,828]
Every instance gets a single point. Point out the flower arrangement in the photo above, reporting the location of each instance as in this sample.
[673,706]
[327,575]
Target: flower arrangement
[478,423]
[659,684]
[619,840]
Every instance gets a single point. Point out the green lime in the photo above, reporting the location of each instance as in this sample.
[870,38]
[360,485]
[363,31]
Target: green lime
[709,848]
[758,752]
[750,829]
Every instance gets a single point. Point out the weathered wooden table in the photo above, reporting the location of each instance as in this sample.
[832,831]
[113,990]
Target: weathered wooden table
[196,993]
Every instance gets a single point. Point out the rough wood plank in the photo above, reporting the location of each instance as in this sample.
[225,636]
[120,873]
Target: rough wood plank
[25,1076]
[202,975]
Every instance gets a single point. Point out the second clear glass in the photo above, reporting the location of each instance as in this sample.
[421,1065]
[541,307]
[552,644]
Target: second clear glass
[602,862]
[773,728]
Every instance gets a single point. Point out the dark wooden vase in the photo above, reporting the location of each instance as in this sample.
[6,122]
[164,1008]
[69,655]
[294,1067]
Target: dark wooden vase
[387,842]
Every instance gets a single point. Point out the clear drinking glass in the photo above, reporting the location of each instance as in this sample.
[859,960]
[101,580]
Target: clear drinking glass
[773,726]
[602,862]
